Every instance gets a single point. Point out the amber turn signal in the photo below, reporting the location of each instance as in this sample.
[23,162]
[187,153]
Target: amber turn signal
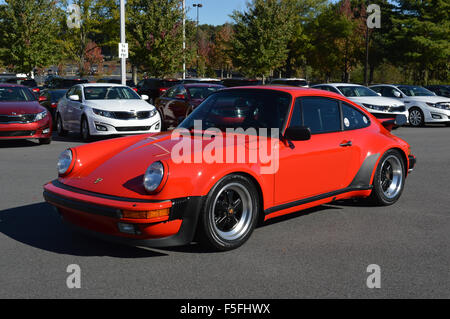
[145,214]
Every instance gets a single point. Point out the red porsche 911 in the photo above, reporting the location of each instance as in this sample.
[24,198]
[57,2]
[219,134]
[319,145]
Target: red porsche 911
[221,171]
[21,115]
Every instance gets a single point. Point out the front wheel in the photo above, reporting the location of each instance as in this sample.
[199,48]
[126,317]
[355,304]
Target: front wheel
[85,134]
[59,126]
[230,213]
[389,179]
[416,117]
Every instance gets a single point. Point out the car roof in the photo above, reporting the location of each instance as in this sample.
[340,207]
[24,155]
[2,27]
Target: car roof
[12,85]
[190,85]
[99,84]
[339,84]
[289,79]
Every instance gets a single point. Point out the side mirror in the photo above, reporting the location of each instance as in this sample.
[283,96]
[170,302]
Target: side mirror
[397,94]
[298,133]
[379,94]
[144,97]
[74,98]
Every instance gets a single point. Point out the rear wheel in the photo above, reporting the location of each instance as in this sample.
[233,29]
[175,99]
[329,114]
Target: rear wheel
[389,179]
[416,117]
[59,126]
[230,213]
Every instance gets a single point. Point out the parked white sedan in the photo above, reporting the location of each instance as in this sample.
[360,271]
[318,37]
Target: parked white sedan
[379,106]
[105,109]
[423,105]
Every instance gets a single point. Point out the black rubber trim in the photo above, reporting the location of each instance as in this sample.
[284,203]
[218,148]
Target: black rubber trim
[412,161]
[362,178]
[314,198]
[58,184]
[82,206]
[360,182]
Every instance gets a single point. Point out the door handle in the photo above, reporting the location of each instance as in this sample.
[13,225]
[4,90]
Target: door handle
[345,144]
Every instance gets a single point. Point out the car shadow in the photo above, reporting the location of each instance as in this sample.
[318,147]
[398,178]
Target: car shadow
[39,226]
[18,143]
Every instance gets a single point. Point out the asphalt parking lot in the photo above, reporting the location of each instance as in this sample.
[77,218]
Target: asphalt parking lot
[321,252]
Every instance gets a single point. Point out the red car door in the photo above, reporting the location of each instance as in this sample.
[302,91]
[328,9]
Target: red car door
[320,165]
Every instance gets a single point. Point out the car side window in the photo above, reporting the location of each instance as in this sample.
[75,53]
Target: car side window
[388,92]
[353,119]
[296,118]
[77,91]
[321,115]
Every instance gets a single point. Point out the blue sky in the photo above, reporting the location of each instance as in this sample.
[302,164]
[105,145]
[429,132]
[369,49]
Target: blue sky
[214,12]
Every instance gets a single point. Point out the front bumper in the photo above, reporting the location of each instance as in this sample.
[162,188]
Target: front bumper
[39,129]
[100,125]
[100,215]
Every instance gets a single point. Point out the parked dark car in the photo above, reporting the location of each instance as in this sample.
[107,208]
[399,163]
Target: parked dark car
[129,83]
[441,90]
[29,83]
[179,101]
[153,88]
[290,82]
[201,80]
[49,99]
[62,83]
[240,82]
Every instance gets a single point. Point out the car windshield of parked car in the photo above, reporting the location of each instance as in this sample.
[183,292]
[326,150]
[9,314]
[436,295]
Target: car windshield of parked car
[110,93]
[202,92]
[415,91]
[16,94]
[242,108]
[355,91]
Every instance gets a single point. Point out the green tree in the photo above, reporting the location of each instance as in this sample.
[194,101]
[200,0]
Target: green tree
[155,36]
[421,37]
[261,36]
[28,34]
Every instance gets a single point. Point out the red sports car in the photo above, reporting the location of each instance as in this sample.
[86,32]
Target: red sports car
[21,115]
[152,190]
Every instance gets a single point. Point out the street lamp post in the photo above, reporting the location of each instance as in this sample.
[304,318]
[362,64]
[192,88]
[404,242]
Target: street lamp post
[184,39]
[198,6]
[123,61]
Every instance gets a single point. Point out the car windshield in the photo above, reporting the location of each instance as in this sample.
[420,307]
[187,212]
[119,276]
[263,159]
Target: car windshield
[110,93]
[202,92]
[241,108]
[355,91]
[415,91]
[15,94]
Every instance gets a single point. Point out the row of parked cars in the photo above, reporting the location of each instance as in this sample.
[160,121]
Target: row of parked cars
[109,108]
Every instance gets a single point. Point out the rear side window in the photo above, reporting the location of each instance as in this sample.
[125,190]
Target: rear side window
[321,115]
[353,119]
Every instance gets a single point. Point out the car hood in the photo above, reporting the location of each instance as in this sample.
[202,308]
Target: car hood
[122,162]
[120,105]
[375,100]
[429,99]
[32,107]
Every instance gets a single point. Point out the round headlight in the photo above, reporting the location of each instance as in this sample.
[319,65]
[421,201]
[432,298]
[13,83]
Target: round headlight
[153,176]
[64,161]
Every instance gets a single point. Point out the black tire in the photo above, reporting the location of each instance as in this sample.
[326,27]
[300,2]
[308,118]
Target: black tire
[59,126]
[447,124]
[163,125]
[389,179]
[45,141]
[84,130]
[416,117]
[230,213]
